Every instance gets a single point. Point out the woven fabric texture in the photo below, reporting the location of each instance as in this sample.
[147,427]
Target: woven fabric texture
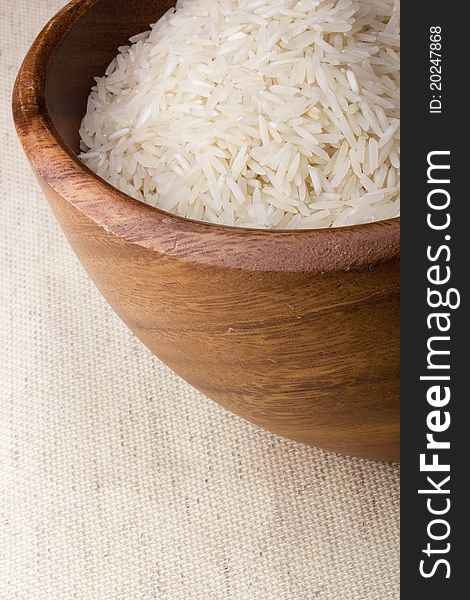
[117,480]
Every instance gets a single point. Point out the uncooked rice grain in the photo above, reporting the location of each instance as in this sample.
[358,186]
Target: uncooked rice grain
[255,113]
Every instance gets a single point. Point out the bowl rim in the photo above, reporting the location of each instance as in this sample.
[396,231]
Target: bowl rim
[56,165]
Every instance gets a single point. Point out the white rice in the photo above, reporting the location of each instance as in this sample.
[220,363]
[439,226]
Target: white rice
[255,113]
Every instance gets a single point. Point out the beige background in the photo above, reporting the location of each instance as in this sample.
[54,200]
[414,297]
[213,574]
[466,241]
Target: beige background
[120,482]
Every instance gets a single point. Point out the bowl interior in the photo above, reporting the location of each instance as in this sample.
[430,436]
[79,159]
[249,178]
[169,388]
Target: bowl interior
[49,102]
[86,50]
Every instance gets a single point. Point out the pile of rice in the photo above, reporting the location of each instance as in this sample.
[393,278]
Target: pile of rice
[255,113]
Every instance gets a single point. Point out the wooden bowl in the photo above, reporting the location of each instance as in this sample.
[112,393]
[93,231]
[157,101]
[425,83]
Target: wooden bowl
[297,331]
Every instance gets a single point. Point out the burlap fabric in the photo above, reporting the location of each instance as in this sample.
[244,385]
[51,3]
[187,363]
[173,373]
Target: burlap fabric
[120,482]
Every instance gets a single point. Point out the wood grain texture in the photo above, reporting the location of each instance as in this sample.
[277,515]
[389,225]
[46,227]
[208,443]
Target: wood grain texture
[297,331]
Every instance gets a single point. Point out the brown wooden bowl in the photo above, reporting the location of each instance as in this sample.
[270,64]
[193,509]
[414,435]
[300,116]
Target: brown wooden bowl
[298,331]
